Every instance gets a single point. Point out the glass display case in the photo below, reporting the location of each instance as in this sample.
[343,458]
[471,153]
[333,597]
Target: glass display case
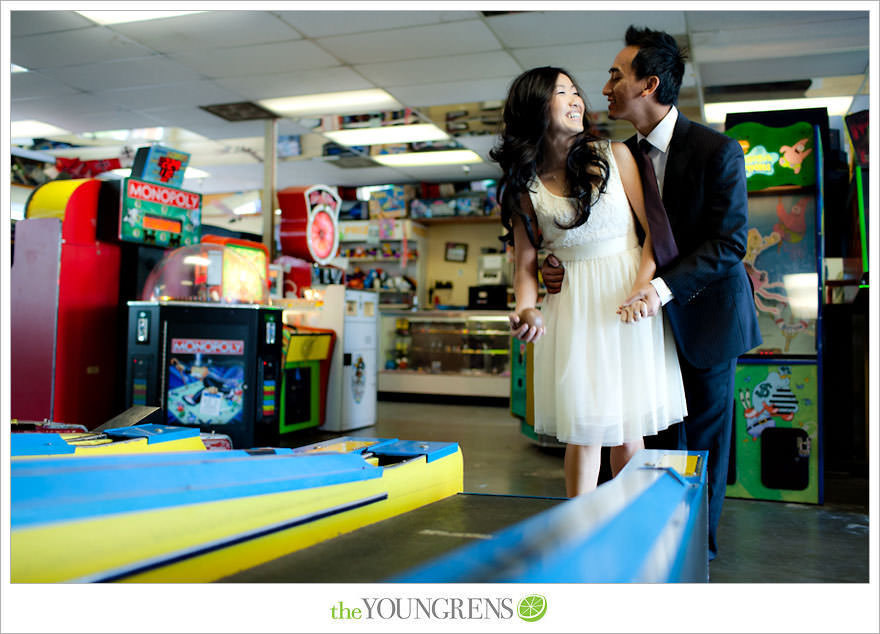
[445,352]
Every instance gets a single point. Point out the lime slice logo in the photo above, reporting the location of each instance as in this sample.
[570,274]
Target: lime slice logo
[532,607]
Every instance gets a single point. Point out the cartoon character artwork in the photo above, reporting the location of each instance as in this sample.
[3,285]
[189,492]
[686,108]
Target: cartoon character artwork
[755,245]
[794,155]
[791,330]
[770,399]
[792,223]
[204,392]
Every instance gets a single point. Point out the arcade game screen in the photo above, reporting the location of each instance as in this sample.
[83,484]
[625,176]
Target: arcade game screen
[244,276]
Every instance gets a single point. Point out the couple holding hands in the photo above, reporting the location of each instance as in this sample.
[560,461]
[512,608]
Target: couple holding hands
[648,302]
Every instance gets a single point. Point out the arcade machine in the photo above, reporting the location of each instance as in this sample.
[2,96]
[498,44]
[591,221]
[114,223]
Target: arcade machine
[309,232]
[777,447]
[63,302]
[307,355]
[204,346]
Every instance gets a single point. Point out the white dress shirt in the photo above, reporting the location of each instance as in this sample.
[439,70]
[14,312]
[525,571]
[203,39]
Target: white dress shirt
[660,138]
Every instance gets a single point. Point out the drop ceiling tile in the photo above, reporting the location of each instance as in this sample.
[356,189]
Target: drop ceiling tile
[220,129]
[444,93]
[196,93]
[34,22]
[198,121]
[596,56]
[441,69]
[724,21]
[306,82]
[120,119]
[76,104]
[772,42]
[32,85]
[316,24]
[471,36]
[228,178]
[126,73]
[24,109]
[547,28]
[783,69]
[185,117]
[72,48]
[312,171]
[207,31]
[277,57]
[479,143]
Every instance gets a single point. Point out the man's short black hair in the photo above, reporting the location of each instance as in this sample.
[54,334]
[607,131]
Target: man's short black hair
[659,54]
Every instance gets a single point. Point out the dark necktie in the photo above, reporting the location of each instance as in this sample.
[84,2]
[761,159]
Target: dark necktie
[665,249]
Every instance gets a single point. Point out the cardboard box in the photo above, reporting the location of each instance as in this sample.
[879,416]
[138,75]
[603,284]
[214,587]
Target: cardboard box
[392,202]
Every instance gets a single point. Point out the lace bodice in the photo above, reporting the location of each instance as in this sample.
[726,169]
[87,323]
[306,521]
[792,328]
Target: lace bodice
[610,216]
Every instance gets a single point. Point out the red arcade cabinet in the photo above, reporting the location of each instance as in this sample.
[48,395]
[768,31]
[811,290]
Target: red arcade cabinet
[64,294]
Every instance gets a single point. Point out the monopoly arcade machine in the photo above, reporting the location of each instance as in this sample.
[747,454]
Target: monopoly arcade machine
[777,449]
[204,346]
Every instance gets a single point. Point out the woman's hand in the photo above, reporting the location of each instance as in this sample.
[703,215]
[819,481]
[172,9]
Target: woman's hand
[528,325]
[633,312]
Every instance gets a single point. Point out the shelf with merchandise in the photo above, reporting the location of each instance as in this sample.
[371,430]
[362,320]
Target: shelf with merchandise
[383,255]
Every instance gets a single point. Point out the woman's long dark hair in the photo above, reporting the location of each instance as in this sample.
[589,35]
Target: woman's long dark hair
[520,151]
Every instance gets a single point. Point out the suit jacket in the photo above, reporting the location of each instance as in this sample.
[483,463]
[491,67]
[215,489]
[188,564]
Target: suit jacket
[712,313]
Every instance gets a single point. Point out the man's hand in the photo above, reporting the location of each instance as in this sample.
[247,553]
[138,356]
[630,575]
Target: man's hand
[552,273]
[648,295]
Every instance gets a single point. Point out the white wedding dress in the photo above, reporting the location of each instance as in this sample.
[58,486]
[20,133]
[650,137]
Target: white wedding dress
[598,381]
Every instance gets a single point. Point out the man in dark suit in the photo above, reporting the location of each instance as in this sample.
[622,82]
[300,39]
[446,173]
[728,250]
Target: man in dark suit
[700,281]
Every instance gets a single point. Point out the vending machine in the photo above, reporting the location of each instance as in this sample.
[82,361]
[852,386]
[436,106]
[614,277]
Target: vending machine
[200,348]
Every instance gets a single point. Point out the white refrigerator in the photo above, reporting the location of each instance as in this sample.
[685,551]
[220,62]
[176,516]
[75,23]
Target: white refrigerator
[352,384]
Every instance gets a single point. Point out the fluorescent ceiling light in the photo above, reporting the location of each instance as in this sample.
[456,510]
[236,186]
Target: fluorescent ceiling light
[388,134]
[120,17]
[717,112]
[144,134]
[348,102]
[414,159]
[191,172]
[32,128]
[15,68]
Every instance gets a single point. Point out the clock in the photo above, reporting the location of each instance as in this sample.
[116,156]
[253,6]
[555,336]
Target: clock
[309,222]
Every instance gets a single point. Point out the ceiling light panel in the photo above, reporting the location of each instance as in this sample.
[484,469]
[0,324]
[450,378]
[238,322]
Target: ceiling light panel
[120,17]
[348,102]
[388,134]
[444,157]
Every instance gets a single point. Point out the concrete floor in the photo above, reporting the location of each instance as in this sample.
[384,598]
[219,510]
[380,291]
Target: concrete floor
[759,541]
